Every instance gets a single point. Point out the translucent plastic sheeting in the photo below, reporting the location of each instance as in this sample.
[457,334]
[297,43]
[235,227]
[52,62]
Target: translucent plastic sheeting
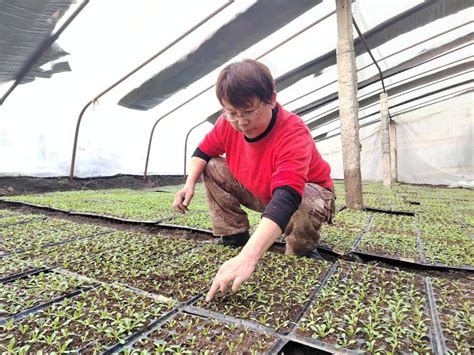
[370,158]
[434,145]
[408,90]
[38,120]
[397,53]
[257,22]
[25,26]
[411,19]
[397,25]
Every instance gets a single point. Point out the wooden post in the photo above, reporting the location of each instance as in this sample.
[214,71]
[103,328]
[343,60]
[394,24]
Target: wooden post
[348,105]
[385,138]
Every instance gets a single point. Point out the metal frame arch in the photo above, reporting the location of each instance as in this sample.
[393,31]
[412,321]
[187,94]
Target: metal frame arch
[161,51]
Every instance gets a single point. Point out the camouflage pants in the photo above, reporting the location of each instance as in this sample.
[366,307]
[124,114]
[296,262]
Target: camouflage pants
[226,195]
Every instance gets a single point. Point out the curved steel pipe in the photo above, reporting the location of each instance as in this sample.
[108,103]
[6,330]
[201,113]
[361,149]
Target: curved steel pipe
[210,87]
[186,145]
[76,135]
[159,119]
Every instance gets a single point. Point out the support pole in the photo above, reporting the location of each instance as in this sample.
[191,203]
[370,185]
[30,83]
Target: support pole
[348,105]
[393,151]
[385,138]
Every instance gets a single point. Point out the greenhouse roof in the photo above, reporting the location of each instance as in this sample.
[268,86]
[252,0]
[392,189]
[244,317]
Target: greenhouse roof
[164,65]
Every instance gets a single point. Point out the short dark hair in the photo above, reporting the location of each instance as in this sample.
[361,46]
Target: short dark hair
[240,83]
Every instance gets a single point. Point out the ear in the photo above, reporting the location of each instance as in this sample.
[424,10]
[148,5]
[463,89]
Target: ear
[274,98]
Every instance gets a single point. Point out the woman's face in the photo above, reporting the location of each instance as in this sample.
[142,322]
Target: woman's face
[253,120]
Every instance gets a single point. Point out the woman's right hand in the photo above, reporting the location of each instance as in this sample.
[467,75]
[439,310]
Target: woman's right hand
[183,198]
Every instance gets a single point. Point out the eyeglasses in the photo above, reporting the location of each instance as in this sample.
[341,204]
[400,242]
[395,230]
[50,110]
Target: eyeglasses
[234,117]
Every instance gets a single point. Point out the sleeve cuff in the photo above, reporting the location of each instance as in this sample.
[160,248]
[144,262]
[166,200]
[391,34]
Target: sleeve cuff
[285,201]
[200,154]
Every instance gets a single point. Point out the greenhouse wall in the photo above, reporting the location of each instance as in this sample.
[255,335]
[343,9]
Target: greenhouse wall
[434,146]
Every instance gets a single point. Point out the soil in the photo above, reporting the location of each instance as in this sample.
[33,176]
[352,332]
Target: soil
[212,336]
[19,185]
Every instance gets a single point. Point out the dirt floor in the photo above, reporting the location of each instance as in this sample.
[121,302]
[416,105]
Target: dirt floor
[16,185]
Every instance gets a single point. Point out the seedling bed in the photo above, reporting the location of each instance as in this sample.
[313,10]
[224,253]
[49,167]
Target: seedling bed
[90,322]
[189,333]
[39,234]
[64,254]
[376,202]
[455,304]
[183,277]
[370,309]
[136,260]
[435,246]
[120,203]
[448,246]
[276,294]
[390,246]
[7,213]
[347,228]
[12,267]
[19,219]
[393,224]
[28,292]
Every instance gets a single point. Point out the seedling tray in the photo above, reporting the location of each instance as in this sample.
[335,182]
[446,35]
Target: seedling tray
[44,233]
[363,304]
[276,294]
[452,304]
[12,267]
[345,232]
[380,210]
[389,245]
[87,250]
[33,290]
[123,264]
[196,334]
[8,221]
[22,275]
[89,322]
[184,277]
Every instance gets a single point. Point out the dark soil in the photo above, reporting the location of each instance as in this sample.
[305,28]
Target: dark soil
[19,185]
[197,335]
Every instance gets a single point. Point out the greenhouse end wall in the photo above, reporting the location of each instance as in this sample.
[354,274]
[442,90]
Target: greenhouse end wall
[434,146]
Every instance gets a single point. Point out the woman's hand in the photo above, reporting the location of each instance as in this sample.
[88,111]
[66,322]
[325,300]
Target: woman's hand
[232,273]
[183,198]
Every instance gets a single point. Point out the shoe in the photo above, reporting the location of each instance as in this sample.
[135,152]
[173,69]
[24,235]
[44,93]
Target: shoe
[235,240]
[315,255]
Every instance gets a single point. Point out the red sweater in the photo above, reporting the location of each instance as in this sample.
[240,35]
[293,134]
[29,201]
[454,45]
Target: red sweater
[286,156]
